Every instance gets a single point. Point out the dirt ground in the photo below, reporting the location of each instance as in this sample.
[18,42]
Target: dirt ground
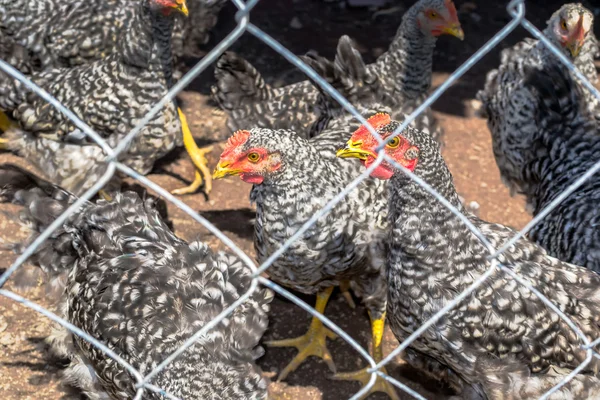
[299,25]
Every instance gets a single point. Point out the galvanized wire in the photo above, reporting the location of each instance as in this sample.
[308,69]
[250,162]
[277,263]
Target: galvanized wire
[516,8]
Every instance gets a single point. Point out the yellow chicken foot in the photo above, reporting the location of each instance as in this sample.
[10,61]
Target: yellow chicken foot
[313,343]
[381,385]
[345,289]
[198,156]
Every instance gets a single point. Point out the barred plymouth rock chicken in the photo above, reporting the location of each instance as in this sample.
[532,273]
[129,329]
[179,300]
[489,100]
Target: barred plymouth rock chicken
[357,83]
[54,33]
[52,41]
[509,105]
[41,34]
[193,32]
[565,146]
[294,178]
[406,67]
[143,292]
[502,341]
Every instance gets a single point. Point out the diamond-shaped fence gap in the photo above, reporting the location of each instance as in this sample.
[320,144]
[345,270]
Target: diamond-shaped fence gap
[296,61]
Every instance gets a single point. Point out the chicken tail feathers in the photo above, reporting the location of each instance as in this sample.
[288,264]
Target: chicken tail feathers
[42,203]
[237,83]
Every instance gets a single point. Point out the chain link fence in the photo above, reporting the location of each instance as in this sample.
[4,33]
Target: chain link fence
[516,9]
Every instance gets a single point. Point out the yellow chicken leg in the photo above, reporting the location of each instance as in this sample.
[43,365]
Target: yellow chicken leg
[381,385]
[313,343]
[198,156]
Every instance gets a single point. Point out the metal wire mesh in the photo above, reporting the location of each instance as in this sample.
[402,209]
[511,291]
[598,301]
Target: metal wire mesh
[516,10]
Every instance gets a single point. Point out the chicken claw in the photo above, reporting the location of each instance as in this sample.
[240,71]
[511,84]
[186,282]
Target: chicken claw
[198,156]
[313,343]
[363,375]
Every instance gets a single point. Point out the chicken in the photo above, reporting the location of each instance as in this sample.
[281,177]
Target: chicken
[351,77]
[45,39]
[294,178]
[565,146]
[142,292]
[193,32]
[508,104]
[501,341]
[53,34]
[407,66]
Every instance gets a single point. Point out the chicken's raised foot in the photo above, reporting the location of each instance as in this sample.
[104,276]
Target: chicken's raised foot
[198,156]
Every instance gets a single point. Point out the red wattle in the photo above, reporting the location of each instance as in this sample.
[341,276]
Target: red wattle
[382,171]
[253,179]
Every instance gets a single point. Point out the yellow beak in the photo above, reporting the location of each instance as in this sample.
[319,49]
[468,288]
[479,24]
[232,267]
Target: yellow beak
[181,6]
[455,30]
[353,150]
[222,170]
[574,48]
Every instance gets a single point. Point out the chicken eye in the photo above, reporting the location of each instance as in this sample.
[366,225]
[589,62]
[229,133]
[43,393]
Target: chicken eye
[433,14]
[253,157]
[395,142]
[563,24]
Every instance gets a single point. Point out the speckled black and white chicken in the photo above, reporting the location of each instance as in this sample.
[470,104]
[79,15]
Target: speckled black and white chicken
[502,341]
[51,33]
[191,33]
[63,33]
[357,83]
[293,179]
[405,69]
[87,54]
[565,146]
[509,105]
[140,290]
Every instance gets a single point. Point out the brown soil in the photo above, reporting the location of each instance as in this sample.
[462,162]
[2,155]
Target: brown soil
[26,374]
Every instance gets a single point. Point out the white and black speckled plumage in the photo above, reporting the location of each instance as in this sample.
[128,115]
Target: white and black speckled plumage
[501,342]
[405,70]
[346,244]
[111,95]
[509,105]
[41,34]
[192,32]
[565,146]
[53,33]
[352,78]
[142,291]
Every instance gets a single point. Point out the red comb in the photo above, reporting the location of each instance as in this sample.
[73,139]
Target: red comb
[452,10]
[238,138]
[376,121]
